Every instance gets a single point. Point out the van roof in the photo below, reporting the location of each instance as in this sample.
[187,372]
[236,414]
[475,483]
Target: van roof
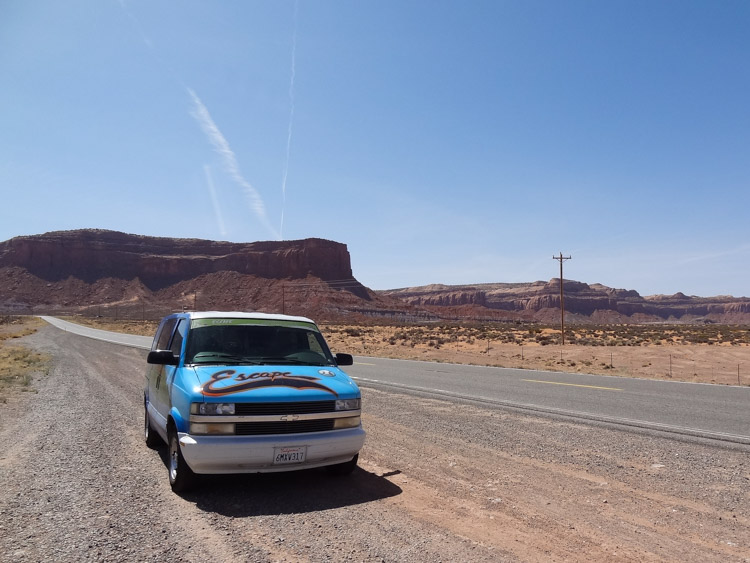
[244,315]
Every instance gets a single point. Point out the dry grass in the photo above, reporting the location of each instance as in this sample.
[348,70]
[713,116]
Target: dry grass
[17,363]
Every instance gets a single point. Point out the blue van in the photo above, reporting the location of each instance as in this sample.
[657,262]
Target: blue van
[249,393]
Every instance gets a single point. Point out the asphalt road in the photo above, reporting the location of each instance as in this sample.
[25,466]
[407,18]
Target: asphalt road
[715,412]
[131,340]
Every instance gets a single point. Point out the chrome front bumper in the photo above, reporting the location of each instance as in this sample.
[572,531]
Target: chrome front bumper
[255,454]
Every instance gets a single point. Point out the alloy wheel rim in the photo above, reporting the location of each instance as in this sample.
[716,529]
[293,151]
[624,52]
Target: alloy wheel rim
[173,454]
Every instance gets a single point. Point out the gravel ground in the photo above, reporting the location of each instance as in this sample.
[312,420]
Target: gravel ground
[438,481]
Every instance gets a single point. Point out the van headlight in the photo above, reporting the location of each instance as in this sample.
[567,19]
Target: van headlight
[348,404]
[212,408]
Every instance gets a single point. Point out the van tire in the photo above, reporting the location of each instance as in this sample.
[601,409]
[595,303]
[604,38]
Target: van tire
[343,468]
[181,477]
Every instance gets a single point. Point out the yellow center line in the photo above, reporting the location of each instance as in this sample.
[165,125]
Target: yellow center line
[572,384]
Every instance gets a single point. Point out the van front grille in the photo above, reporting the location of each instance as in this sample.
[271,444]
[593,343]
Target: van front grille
[300,407]
[283,427]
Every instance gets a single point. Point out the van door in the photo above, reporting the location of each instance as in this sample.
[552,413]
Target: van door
[157,408]
[175,345]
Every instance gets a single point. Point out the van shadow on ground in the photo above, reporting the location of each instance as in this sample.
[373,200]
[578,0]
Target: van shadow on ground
[291,492]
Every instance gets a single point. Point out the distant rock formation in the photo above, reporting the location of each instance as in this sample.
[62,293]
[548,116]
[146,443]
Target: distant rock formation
[89,269]
[132,276]
[92,254]
[583,302]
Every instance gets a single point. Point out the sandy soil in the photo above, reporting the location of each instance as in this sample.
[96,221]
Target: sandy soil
[675,359]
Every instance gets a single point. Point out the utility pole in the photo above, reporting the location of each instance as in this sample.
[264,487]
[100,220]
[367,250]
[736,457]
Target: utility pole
[562,258]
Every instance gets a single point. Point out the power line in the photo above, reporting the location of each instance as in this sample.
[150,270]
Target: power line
[562,258]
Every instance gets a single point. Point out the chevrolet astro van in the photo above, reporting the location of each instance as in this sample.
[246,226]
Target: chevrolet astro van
[249,393]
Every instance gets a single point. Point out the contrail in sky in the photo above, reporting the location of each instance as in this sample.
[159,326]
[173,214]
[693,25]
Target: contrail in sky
[222,148]
[291,119]
[215,200]
[743,249]
[217,139]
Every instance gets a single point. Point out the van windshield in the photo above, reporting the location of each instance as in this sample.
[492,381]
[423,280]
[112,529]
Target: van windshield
[255,344]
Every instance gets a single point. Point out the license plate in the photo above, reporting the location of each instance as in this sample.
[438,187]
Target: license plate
[292,454]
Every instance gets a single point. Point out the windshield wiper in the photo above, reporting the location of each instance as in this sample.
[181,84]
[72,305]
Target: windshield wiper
[281,360]
[219,358]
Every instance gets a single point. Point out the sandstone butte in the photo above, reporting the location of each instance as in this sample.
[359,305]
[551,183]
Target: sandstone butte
[94,271]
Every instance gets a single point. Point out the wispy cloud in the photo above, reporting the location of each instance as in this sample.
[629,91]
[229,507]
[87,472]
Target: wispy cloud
[742,249]
[137,24]
[215,200]
[291,118]
[229,161]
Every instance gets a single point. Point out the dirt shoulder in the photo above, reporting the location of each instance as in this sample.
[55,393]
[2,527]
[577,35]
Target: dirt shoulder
[543,490]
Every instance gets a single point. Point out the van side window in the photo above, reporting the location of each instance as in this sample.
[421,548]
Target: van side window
[165,333]
[179,336]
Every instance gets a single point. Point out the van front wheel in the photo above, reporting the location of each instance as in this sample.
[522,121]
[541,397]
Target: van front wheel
[181,477]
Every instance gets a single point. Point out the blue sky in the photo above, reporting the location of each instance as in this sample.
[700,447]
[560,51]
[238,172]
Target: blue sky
[443,142]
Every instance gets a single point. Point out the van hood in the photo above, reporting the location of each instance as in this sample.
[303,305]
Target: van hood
[274,383]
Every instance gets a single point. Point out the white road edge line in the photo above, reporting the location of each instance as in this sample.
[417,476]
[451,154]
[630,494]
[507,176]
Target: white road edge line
[684,430]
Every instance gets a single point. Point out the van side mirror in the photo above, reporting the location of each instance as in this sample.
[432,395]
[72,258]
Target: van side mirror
[344,359]
[162,358]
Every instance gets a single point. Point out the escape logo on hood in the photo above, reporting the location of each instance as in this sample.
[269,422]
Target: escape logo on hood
[250,381]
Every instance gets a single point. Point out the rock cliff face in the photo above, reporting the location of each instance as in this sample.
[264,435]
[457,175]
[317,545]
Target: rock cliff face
[140,276]
[89,255]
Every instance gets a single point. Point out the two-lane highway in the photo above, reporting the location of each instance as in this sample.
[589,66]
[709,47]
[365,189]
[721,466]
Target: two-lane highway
[711,411]
[718,412]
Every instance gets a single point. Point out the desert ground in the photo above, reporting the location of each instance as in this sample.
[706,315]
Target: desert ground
[697,354]
[18,363]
